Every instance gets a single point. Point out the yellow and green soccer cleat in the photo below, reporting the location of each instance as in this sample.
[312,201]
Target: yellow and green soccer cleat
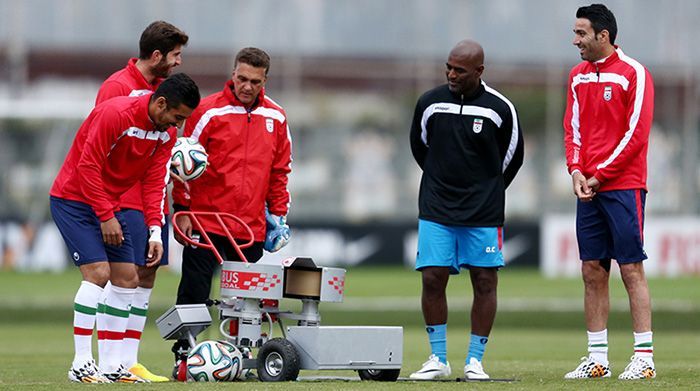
[142,372]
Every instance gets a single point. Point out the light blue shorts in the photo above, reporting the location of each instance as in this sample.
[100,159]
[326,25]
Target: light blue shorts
[458,246]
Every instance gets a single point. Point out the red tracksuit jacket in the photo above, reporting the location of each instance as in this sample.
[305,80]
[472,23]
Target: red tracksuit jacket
[609,111]
[114,148]
[128,82]
[250,158]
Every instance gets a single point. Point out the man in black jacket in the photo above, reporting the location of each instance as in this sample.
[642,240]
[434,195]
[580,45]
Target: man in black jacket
[466,138]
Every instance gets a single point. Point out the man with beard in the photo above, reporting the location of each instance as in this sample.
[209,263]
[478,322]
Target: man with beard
[160,50]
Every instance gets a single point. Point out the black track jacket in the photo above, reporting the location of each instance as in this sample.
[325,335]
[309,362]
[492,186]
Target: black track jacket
[470,149]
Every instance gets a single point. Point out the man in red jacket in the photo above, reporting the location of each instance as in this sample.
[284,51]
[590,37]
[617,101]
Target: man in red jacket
[123,141]
[609,111]
[246,136]
[160,50]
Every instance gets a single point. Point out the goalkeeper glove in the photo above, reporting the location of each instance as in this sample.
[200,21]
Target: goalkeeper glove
[277,234]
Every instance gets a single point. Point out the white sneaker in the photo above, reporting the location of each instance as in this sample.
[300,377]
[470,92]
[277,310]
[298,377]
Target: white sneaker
[588,369]
[474,370]
[122,375]
[639,368]
[432,369]
[88,373]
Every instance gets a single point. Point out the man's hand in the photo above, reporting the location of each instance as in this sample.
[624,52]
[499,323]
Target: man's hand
[112,232]
[155,246]
[185,224]
[155,253]
[277,235]
[582,190]
[593,183]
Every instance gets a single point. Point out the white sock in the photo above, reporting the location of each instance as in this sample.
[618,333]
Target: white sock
[134,328]
[84,310]
[643,346]
[112,317]
[598,346]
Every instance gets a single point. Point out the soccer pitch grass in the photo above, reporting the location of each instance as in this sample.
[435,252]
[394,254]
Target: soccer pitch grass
[538,336]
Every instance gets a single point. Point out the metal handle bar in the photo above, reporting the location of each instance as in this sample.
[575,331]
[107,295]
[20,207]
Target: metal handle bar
[208,243]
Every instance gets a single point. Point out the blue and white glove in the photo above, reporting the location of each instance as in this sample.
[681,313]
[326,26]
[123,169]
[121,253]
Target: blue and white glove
[277,234]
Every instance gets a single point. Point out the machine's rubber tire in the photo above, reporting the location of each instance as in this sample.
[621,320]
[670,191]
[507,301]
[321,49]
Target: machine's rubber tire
[278,360]
[379,374]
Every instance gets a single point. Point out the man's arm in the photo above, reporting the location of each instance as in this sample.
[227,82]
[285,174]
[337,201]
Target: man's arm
[640,113]
[277,197]
[572,136]
[103,133]
[418,136]
[511,146]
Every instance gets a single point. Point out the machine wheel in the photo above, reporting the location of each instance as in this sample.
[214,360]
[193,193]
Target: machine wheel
[278,360]
[379,374]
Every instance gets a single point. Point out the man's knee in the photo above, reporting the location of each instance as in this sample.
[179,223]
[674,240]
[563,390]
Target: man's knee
[147,276]
[632,273]
[485,282]
[594,273]
[124,275]
[435,279]
[97,273]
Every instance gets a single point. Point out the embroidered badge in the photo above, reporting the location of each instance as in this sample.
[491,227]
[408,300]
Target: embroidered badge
[269,124]
[478,124]
[607,94]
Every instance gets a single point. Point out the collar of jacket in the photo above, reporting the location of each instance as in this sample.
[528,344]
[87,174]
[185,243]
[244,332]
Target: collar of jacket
[231,97]
[608,61]
[477,93]
[137,75]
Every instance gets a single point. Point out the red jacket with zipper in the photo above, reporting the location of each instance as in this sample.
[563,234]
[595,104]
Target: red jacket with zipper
[609,111]
[128,81]
[114,148]
[250,160]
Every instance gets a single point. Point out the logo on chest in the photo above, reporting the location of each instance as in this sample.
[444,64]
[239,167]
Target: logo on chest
[269,124]
[607,93]
[478,125]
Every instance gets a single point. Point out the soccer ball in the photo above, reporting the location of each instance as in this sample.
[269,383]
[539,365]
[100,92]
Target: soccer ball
[236,361]
[189,159]
[210,361]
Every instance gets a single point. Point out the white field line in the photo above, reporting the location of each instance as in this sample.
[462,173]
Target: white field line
[509,305]
[399,303]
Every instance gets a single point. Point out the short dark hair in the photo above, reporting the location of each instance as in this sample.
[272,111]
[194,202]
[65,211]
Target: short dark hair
[161,36]
[254,57]
[178,89]
[601,19]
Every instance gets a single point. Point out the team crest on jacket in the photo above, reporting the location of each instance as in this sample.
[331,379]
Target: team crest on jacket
[269,124]
[607,94]
[478,124]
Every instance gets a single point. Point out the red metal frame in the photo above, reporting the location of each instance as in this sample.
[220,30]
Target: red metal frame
[208,244]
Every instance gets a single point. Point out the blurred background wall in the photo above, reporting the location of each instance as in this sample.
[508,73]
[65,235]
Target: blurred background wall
[348,72]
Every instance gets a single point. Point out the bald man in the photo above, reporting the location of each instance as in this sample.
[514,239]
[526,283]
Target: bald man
[466,138]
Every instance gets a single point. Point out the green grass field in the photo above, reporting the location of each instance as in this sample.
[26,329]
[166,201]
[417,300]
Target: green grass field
[538,335]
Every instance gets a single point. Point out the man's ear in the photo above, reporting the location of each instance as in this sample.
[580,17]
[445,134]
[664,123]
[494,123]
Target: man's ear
[604,36]
[156,56]
[161,103]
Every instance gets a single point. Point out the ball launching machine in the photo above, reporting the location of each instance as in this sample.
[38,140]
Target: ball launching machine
[250,293]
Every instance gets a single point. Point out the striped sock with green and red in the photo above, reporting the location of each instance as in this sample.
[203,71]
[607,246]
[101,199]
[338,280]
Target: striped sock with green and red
[84,309]
[598,346]
[134,328]
[112,318]
[643,346]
